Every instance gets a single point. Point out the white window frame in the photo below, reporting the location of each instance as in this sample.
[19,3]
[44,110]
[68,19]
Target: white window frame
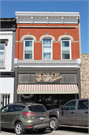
[32,49]
[47,52]
[69,47]
[4,55]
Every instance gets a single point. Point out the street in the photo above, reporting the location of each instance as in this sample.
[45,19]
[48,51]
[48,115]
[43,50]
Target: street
[63,131]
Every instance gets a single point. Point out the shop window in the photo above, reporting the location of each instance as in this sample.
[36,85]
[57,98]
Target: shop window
[26,78]
[28,49]
[66,49]
[2,54]
[47,48]
[50,101]
[68,78]
[64,98]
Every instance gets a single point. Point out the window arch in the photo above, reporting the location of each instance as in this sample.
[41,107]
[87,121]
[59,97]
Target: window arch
[28,48]
[65,48]
[65,37]
[47,37]
[28,36]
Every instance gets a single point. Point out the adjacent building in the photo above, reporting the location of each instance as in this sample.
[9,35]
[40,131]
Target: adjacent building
[7,51]
[47,57]
[84,75]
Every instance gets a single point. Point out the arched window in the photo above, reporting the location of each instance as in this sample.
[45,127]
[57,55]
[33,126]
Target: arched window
[65,48]
[47,48]
[28,48]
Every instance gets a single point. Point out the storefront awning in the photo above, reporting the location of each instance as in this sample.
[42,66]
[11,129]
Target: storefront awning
[47,89]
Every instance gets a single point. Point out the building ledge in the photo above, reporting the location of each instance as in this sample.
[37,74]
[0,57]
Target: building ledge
[47,63]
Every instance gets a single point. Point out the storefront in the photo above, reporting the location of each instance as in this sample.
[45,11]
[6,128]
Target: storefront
[49,86]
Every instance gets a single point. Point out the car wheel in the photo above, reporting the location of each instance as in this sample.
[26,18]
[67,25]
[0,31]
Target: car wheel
[41,130]
[19,128]
[54,124]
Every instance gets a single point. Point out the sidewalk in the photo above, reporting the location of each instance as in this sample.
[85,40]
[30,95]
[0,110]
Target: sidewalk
[64,131]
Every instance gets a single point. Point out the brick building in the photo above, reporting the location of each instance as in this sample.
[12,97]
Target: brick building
[84,75]
[47,57]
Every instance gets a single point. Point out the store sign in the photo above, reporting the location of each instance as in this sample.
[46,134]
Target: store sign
[49,77]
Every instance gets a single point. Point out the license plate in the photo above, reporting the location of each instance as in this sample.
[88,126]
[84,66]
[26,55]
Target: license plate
[41,118]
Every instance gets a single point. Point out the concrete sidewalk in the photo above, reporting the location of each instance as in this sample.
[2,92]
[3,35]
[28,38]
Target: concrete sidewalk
[64,131]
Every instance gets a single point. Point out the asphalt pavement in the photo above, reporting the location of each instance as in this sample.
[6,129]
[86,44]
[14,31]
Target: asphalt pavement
[63,131]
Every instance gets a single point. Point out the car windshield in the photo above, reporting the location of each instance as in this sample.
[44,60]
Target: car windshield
[37,108]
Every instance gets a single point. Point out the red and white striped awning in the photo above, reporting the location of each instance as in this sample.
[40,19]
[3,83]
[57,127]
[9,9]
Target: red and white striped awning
[47,89]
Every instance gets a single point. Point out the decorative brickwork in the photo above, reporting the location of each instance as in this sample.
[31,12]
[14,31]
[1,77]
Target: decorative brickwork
[85,76]
[54,32]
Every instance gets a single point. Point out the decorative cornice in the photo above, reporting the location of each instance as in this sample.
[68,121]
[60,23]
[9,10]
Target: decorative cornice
[46,14]
[47,63]
[47,17]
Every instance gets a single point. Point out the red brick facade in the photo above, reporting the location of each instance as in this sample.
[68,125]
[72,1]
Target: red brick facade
[56,32]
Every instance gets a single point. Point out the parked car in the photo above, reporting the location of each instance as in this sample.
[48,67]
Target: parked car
[73,114]
[22,116]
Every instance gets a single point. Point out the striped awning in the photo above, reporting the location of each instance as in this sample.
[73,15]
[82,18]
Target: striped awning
[47,89]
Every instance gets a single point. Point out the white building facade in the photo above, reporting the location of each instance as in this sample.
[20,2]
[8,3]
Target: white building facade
[7,51]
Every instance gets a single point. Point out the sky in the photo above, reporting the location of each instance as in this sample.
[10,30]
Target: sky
[8,8]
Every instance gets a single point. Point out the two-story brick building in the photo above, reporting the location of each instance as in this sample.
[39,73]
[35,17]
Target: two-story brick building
[47,57]
[7,54]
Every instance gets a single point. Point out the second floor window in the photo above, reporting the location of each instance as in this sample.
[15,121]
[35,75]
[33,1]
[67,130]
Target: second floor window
[47,49]
[28,49]
[66,49]
[2,48]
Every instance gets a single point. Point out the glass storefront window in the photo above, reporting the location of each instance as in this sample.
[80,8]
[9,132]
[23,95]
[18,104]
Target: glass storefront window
[50,101]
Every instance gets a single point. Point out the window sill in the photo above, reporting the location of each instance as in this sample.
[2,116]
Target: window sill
[27,59]
[66,59]
[47,59]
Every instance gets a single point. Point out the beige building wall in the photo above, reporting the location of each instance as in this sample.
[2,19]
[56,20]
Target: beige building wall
[84,75]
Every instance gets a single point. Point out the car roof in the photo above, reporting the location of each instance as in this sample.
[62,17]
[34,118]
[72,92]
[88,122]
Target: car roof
[79,99]
[24,103]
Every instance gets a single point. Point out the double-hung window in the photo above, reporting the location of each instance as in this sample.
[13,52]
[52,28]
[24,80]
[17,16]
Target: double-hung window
[66,49]
[28,49]
[2,49]
[47,49]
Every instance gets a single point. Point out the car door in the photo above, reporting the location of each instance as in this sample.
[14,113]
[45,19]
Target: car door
[68,113]
[82,113]
[4,111]
[13,112]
